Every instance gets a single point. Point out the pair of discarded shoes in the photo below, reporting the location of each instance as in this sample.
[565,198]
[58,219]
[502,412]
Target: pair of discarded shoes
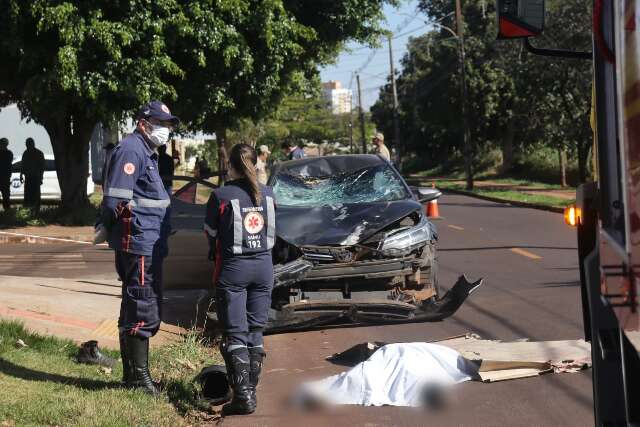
[243,370]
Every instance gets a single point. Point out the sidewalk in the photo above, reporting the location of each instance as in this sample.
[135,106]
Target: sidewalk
[82,310]
[46,234]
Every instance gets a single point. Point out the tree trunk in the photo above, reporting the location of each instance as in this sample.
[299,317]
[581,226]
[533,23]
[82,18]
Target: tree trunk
[507,147]
[562,159]
[70,141]
[583,160]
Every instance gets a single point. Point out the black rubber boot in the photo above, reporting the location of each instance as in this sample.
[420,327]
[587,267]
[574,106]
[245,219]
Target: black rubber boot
[126,363]
[138,352]
[89,353]
[239,372]
[256,356]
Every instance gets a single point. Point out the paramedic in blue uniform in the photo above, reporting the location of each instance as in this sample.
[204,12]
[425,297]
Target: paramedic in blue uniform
[240,224]
[133,208]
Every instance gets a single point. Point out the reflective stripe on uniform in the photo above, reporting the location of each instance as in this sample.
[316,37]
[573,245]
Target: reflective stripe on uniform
[237,226]
[210,231]
[150,203]
[271,223]
[121,193]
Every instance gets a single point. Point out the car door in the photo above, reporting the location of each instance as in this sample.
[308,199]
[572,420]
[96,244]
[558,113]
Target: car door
[187,266]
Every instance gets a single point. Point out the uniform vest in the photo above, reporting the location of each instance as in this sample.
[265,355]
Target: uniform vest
[241,226]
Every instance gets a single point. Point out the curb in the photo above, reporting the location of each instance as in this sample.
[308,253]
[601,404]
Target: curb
[9,237]
[503,201]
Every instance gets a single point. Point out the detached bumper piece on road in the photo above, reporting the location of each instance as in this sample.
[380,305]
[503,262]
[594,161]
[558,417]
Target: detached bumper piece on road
[306,315]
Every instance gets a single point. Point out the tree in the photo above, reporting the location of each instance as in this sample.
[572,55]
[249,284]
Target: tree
[71,64]
[516,100]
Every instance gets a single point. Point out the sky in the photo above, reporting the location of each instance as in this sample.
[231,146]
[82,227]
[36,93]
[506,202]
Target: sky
[17,131]
[373,64]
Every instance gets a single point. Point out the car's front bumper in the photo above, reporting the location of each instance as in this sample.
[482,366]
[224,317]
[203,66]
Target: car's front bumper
[374,269]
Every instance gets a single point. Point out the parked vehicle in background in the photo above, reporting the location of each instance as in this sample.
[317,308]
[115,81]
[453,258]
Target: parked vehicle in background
[50,188]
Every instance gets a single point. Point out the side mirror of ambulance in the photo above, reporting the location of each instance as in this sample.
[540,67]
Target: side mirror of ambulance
[520,18]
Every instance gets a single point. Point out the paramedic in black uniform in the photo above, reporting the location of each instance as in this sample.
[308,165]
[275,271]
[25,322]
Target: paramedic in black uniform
[240,224]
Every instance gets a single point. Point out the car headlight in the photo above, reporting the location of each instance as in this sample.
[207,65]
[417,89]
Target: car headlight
[404,241]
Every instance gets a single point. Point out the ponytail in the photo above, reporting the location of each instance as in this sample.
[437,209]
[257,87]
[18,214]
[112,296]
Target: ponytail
[243,158]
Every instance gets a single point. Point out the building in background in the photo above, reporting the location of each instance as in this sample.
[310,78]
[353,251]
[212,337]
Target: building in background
[338,97]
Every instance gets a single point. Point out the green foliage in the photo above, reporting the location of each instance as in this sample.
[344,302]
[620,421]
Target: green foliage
[516,101]
[70,64]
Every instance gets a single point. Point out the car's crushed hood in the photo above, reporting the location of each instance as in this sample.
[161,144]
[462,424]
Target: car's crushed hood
[339,225]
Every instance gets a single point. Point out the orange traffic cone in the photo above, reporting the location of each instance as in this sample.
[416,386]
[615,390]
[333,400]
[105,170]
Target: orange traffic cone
[432,206]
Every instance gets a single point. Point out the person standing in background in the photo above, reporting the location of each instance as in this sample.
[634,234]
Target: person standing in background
[261,165]
[6,162]
[166,168]
[381,149]
[293,152]
[33,166]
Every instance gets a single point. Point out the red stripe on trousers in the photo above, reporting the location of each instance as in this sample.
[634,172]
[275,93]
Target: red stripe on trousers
[141,267]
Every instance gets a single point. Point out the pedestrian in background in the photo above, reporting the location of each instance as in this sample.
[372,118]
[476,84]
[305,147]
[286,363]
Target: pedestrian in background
[380,148]
[32,173]
[6,163]
[240,223]
[133,208]
[166,166]
[292,151]
[261,165]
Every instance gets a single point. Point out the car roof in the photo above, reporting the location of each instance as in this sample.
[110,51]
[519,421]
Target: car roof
[328,165]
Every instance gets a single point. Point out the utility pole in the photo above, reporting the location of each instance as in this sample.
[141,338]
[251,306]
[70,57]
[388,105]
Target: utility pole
[396,124]
[351,125]
[364,142]
[463,97]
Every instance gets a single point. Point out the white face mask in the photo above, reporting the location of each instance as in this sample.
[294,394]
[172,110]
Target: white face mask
[159,135]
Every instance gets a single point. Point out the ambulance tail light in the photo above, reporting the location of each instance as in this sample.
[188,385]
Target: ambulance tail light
[572,215]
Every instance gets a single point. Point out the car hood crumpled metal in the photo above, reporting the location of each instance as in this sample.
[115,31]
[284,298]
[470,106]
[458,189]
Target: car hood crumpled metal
[339,225]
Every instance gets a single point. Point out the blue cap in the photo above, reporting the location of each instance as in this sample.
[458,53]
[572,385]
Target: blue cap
[157,110]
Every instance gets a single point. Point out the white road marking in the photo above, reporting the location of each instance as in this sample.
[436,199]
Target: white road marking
[455,227]
[525,253]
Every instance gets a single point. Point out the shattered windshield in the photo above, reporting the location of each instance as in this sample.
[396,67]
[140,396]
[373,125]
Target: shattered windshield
[373,184]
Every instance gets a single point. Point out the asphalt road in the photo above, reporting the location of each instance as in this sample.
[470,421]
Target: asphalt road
[528,260]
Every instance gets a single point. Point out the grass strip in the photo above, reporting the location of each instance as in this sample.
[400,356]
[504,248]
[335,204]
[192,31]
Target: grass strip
[510,195]
[43,385]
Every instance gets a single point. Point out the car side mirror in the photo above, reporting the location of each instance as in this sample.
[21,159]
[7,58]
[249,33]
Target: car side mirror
[426,194]
[520,18]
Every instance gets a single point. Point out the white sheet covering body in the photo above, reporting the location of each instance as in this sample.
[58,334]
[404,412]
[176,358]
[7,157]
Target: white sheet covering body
[394,375]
